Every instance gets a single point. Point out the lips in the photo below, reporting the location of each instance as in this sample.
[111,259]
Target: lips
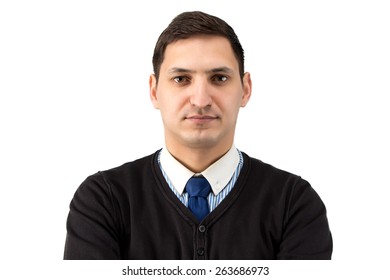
[201,118]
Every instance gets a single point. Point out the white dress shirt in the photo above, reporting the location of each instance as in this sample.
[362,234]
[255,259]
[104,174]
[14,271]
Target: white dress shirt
[218,174]
[221,175]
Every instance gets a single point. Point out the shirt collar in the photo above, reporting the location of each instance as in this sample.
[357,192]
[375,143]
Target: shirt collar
[218,174]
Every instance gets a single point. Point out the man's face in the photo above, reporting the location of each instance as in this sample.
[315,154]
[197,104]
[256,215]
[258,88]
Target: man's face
[200,92]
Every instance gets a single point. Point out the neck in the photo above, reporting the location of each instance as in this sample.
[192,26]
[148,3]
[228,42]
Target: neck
[197,159]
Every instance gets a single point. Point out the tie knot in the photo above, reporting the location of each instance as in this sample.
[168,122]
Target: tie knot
[198,186]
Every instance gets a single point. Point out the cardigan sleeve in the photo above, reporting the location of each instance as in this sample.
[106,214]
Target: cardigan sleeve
[92,231]
[306,233]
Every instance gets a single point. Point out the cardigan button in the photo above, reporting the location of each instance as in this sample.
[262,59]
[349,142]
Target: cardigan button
[200,252]
[202,228]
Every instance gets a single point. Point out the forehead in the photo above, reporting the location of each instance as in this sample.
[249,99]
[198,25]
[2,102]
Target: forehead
[200,51]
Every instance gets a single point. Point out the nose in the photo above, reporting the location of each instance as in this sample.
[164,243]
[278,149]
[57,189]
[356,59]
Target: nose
[200,95]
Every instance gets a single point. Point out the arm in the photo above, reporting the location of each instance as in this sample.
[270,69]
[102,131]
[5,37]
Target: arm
[92,227]
[306,233]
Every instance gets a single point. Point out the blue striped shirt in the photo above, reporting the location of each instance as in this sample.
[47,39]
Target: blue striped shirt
[213,200]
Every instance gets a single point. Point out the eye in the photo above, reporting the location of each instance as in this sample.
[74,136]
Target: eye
[220,78]
[181,79]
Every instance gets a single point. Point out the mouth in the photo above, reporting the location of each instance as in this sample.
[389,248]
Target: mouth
[201,119]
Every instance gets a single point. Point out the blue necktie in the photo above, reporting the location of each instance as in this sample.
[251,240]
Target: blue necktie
[198,188]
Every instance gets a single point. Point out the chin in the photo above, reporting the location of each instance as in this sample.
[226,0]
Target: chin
[201,142]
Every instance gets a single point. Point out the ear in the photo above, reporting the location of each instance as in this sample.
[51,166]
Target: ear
[153,90]
[247,88]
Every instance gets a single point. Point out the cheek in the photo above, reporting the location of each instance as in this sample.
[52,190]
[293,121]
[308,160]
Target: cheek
[230,105]
[171,108]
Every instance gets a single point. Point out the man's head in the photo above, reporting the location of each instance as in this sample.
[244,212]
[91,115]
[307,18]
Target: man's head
[200,85]
[190,24]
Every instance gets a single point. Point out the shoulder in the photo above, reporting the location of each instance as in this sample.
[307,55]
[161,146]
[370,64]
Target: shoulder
[294,194]
[119,177]
[136,168]
[276,180]
[267,171]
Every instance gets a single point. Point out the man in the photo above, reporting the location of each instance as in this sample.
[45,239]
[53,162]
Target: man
[199,197]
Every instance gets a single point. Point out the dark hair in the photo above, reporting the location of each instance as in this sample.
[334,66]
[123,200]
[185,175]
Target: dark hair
[188,24]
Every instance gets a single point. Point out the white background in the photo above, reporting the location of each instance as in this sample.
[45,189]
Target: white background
[75,100]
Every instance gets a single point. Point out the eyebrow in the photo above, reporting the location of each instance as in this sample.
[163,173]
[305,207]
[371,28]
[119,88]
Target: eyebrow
[222,69]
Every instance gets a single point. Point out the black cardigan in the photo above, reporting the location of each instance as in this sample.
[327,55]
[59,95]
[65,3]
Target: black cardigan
[129,212]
